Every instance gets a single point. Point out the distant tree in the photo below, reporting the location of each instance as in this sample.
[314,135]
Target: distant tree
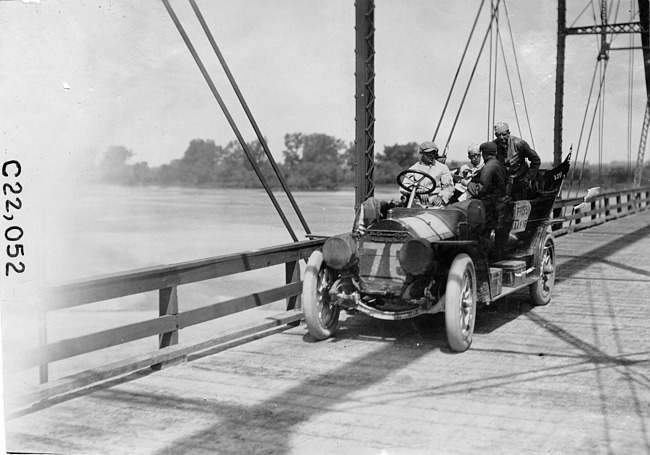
[404,155]
[313,161]
[236,170]
[116,156]
[198,167]
[394,159]
[113,167]
[141,174]
[168,174]
[321,148]
[350,160]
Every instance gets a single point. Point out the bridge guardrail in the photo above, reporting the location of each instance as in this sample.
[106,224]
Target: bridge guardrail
[165,279]
[604,207]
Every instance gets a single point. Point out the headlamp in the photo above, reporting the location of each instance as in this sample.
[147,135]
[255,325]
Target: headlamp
[416,256]
[340,251]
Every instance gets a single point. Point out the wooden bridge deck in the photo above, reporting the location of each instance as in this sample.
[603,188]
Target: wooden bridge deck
[572,377]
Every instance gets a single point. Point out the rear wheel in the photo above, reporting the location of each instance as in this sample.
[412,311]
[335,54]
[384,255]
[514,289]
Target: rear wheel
[321,315]
[544,258]
[460,303]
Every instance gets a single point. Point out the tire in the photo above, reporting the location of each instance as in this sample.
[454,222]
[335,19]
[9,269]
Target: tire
[544,258]
[460,303]
[321,316]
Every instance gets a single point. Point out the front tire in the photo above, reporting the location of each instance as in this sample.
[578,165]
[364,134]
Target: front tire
[460,303]
[321,315]
[544,258]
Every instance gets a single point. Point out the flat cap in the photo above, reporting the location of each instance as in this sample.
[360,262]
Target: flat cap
[488,148]
[501,127]
[428,147]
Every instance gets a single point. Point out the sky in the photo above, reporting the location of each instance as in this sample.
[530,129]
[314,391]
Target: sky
[78,77]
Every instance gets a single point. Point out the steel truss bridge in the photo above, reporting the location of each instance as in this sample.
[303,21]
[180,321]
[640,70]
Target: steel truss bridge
[612,412]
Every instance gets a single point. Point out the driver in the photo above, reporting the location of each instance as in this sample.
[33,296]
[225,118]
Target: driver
[439,171]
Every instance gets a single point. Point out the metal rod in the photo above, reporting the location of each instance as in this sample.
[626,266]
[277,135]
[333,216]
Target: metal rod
[217,96]
[633,48]
[259,134]
[460,64]
[471,77]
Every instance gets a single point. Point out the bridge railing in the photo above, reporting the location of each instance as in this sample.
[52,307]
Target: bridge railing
[604,207]
[171,320]
[166,279]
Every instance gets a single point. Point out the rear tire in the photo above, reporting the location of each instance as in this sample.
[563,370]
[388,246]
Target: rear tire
[544,258]
[321,315]
[460,303]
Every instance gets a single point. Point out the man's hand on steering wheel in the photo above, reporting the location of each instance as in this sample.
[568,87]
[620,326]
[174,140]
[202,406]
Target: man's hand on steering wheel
[436,200]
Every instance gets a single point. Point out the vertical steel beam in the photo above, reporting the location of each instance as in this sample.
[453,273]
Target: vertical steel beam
[604,51]
[644,19]
[365,100]
[559,82]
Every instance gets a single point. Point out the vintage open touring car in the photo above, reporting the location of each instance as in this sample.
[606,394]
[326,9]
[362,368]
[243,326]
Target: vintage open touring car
[410,261]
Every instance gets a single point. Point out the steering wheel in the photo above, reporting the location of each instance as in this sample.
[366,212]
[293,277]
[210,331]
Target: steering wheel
[419,189]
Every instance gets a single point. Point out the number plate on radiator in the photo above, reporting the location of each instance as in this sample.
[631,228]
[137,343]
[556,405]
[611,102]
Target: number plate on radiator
[379,260]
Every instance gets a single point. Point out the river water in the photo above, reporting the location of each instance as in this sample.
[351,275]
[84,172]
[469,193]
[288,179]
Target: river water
[114,228]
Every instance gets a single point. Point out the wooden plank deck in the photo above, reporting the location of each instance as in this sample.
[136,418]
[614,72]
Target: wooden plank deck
[569,378]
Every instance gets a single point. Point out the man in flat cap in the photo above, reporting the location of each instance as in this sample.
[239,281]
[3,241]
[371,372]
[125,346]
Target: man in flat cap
[439,171]
[443,157]
[513,152]
[490,187]
[492,179]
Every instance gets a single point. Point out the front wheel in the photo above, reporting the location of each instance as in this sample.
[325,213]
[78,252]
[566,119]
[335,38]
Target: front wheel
[460,303]
[321,315]
[544,258]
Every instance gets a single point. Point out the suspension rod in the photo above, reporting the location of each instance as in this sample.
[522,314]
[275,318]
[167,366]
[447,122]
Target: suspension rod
[259,134]
[217,96]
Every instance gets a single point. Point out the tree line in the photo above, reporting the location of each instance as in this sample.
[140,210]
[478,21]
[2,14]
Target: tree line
[310,162]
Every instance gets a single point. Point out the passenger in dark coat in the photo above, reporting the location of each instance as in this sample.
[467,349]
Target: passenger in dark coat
[490,187]
[492,179]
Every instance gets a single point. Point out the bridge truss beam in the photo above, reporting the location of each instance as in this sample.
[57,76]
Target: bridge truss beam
[607,29]
[643,28]
[365,100]
[644,17]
